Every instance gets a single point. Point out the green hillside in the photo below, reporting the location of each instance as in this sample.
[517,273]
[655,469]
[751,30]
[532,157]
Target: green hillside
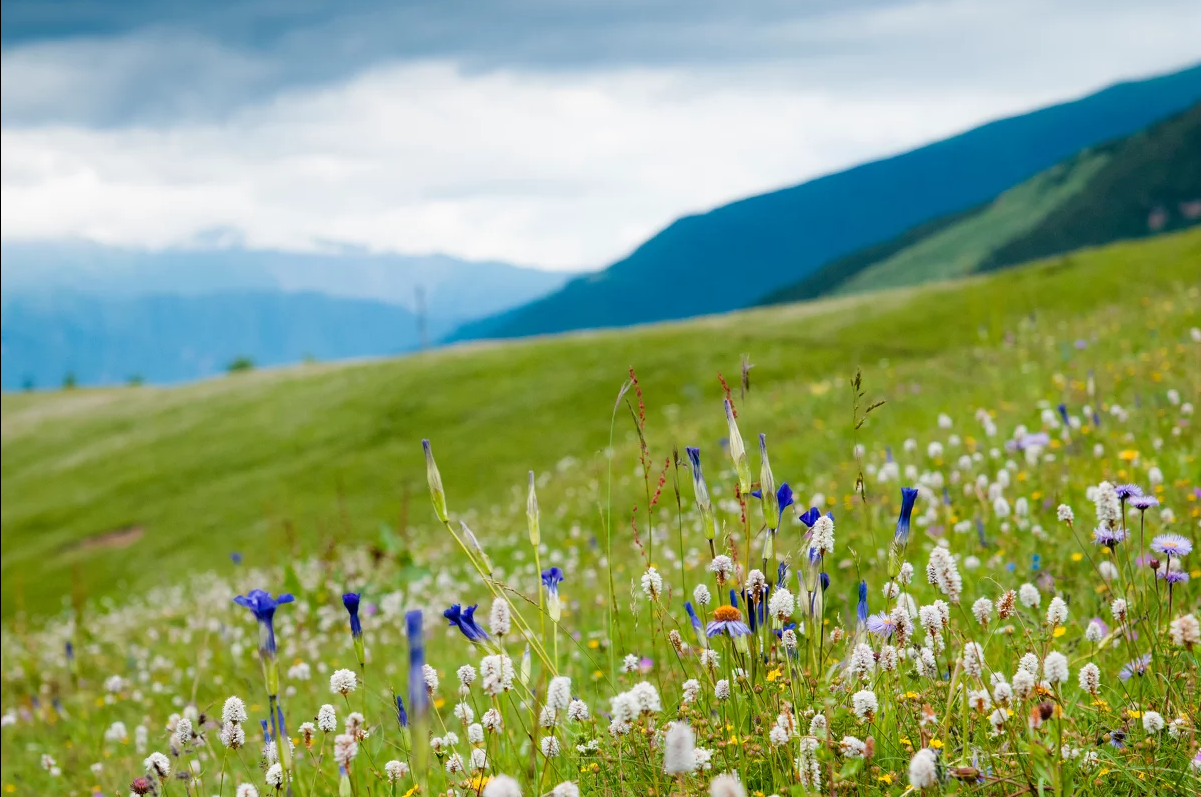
[106,491]
[1102,194]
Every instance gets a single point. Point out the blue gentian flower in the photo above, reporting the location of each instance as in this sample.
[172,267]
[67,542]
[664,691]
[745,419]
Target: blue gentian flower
[809,516]
[861,609]
[266,726]
[464,620]
[552,577]
[351,601]
[263,605]
[235,557]
[785,499]
[734,597]
[402,716]
[1063,413]
[692,618]
[824,578]
[908,497]
[70,651]
[781,575]
[418,699]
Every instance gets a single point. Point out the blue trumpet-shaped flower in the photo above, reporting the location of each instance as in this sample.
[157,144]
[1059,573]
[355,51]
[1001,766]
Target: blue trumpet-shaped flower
[861,608]
[402,716]
[263,605]
[351,601]
[809,516]
[785,498]
[696,621]
[908,497]
[418,699]
[552,577]
[464,620]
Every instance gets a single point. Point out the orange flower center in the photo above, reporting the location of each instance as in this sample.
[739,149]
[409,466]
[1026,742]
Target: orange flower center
[726,614]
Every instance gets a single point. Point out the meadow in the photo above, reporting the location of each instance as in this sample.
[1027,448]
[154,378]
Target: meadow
[984,584]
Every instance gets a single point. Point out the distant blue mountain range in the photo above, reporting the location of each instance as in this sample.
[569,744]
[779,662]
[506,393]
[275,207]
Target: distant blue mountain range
[104,315]
[732,256]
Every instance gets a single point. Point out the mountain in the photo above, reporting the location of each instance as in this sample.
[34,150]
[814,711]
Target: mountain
[734,255]
[172,338]
[454,290]
[1140,185]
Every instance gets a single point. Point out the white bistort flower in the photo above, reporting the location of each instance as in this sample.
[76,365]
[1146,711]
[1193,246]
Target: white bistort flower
[342,682]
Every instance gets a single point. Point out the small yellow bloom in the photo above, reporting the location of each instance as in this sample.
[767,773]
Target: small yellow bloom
[774,674]
[1077,557]
[936,744]
[1059,631]
[912,695]
[1129,455]
[1133,713]
[593,643]
[885,778]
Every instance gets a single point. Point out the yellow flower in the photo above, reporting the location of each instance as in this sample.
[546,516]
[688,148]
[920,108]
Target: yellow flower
[439,702]
[774,674]
[1059,631]
[936,744]
[1133,713]
[1129,455]
[593,643]
[412,791]
[1076,557]
[912,695]
[885,778]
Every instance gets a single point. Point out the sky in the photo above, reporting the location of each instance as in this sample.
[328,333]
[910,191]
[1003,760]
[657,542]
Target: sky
[552,133]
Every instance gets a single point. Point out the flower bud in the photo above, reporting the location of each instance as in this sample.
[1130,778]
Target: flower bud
[437,494]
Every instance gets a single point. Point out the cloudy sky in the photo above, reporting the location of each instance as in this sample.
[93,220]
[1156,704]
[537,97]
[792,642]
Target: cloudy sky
[545,132]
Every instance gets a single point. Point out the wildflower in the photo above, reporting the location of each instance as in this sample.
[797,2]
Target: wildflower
[183,732]
[247,790]
[701,491]
[1094,632]
[1108,537]
[498,618]
[565,789]
[882,624]
[1023,684]
[721,567]
[464,620]
[1144,502]
[721,689]
[908,497]
[738,451]
[1064,514]
[1090,678]
[727,620]
[1055,667]
[679,744]
[492,720]
[862,662]
[143,786]
[155,764]
[396,770]
[1185,631]
[418,697]
[979,700]
[502,786]
[652,583]
[342,682]
[434,478]
[1006,604]
[1153,722]
[346,747]
[496,674]
[1002,692]
[263,606]
[726,786]
[864,704]
[851,747]
[327,719]
[701,595]
[1118,609]
[1137,667]
[818,725]
[946,574]
[982,610]
[552,577]
[558,694]
[550,746]
[808,768]
[973,659]
[274,776]
[821,539]
[1057,612]
[1171,545]
[351,601]
[234,710]
[781,604]
[1029,595]
[630,663]
[923,769]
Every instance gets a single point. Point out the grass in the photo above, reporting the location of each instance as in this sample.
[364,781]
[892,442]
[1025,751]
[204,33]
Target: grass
[95,697]
[249,462]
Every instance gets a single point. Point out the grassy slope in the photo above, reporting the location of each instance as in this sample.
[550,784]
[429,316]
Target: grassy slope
[225,465]
[961,248]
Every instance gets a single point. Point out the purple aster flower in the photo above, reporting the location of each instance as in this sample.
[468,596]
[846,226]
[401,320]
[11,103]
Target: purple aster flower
[1117,739]
[1127,491]
[263,605]
[727,620]
[1172,545]
[881,625]
[1174,576]
[1109,537]
[464,620]
[1136,667]
[1144,502]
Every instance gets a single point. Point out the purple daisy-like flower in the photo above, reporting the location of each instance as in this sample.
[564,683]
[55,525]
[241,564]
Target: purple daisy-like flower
[1174,576]
[1127,491]
[881,625]
[727,620]
[1144,502]
[1109,537]
[1136,667]
[1172,545]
